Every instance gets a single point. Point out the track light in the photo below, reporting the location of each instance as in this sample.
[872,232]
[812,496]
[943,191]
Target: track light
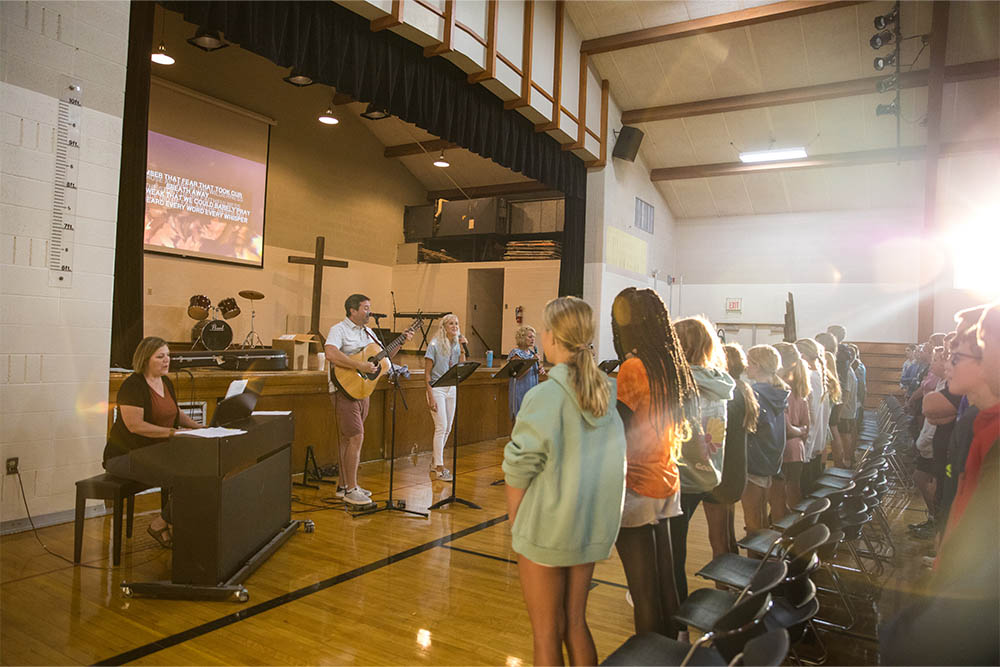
[883,22]
[207,40]
[327,117]
[889,109]
[441,161]
[375,113]
[160,56]
[881,62]
[888,83]
[298,79]
[880,39]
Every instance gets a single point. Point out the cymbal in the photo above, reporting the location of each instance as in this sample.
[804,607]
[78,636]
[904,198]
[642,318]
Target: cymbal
[253,295]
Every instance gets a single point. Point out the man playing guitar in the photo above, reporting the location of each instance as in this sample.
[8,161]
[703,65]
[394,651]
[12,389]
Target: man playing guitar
[346,338]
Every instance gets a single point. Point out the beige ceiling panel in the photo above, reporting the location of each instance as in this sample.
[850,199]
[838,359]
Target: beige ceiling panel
[710,139]
[794,125]
[833,44]
[731,62]
[750,130]
[913,130]
[973,32]
[606,67]
[654,13]
[781,53]
[849,187]
[977,110]
[612,17]
[673,147]
[579,15]
[767,192]
[642,76]
[695,197]
[807,190]
[666,189]
[730,195]
[916,19]
[898,185]
[701,8]
[841,125]
[684,65]
[880,131]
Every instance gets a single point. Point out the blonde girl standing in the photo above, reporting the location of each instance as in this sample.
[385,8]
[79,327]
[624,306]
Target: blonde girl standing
[766,446]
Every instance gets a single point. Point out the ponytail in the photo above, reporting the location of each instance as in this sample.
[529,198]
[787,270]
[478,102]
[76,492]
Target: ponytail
[768,360]
[794,368]
[571,322]
[736,363]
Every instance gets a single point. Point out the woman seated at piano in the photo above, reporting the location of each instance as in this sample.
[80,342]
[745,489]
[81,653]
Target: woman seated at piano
[445,350]
[147,414]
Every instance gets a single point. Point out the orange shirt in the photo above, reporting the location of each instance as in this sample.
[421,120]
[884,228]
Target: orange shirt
[652,470]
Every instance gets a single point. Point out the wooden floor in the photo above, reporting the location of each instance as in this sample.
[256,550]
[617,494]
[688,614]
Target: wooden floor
[385,589]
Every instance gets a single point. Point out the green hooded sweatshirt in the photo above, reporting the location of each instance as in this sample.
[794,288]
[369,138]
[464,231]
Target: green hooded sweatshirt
[700,465]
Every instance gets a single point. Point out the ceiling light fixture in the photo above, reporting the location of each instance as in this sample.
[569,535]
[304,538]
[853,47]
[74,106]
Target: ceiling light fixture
[298,79]
[888,83]
[880,39]
[327,117]
[207,40]
[883,22]
[160,56]
[773,155]
[889,109]
[441,161]
[375,113]
[881,62]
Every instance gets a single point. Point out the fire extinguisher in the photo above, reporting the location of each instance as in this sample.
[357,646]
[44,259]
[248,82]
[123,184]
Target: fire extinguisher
[519,314]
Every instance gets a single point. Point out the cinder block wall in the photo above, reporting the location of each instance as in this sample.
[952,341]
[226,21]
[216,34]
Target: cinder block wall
[54,342]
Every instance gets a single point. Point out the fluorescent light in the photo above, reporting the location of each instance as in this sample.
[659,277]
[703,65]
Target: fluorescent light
[773,155]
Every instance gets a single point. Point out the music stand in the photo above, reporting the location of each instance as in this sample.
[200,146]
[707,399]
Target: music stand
[454,377]
[608,365]
[390,504]
[514,368]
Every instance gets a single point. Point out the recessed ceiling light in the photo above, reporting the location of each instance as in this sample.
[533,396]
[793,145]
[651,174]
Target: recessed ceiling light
[327,117]
[160,56]
[773,155]
[441,161]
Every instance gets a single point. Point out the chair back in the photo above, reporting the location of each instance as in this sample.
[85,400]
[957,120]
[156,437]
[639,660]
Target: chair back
[768,650]
[767,577]
[743,622]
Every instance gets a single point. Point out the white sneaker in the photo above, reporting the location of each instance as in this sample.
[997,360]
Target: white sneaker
[443,475]
[342,491]
[356,497]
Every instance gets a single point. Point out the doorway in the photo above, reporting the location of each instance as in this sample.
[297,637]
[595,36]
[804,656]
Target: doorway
[485,312]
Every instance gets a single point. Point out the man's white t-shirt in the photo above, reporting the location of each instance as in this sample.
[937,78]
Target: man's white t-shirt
[349,338]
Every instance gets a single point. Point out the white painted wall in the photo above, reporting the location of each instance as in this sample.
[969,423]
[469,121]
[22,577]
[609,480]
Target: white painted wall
[55,347]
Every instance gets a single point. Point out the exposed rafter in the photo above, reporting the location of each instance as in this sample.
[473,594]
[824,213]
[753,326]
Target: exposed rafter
[429,146]
[498,190]
[824,91]
[877,156]
[743,17]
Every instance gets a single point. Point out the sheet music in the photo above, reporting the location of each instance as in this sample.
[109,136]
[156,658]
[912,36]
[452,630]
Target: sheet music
[236,387]
[211,432]
[267,413]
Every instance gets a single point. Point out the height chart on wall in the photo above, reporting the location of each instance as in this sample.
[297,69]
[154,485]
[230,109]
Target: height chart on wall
[201,202]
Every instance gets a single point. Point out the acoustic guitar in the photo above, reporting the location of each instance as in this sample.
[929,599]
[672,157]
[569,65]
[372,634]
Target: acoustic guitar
[360,385]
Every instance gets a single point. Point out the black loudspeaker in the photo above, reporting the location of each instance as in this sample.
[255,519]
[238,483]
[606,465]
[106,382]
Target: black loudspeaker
[627,145]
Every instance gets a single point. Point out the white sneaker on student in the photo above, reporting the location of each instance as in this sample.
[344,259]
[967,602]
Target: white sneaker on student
[342,491]
[443,475]
[356,496]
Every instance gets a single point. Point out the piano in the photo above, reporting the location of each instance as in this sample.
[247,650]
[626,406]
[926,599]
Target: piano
[231,505]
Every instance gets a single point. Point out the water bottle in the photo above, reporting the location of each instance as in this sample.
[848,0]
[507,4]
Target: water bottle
[489,358]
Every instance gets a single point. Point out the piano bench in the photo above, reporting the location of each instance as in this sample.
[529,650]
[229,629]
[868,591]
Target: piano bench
[106,487]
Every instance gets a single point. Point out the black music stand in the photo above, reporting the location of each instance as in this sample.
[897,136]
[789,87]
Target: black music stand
[454,377]
[390,504]
[608,365]
[514,368]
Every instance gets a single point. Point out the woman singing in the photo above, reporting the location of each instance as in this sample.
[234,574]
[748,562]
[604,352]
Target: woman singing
[443,352]
[518,387]
[147,414]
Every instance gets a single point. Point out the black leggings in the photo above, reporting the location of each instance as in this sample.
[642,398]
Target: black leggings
[679,536]
[648,561]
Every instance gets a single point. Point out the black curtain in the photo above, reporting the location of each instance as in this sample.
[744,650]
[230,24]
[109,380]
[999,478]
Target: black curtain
[335,46]
[126,304]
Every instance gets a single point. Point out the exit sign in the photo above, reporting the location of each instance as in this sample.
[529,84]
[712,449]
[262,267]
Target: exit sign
[734,305]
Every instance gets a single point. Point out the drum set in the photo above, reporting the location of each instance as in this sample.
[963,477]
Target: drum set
[215,334]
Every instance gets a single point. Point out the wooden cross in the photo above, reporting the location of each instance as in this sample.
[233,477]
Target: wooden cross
[318,262]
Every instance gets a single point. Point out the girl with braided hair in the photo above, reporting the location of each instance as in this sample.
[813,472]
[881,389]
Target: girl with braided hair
[656,396]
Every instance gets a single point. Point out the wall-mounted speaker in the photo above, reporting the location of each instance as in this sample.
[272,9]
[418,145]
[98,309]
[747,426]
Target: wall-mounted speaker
[627,145]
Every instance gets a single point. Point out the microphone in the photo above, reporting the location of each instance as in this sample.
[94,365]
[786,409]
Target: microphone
[465,348]
[378,315]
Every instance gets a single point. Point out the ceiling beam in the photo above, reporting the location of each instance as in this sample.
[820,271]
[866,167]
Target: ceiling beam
[497,190]
[742,17]
[876,156]
[429,146]
[824,91]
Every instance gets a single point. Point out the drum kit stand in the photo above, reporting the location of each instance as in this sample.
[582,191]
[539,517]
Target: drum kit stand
[215,334]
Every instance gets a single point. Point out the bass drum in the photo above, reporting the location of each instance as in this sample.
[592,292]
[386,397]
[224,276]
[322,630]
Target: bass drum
[216,336]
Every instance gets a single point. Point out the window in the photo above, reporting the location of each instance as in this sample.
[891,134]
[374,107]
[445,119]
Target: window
[644,215]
